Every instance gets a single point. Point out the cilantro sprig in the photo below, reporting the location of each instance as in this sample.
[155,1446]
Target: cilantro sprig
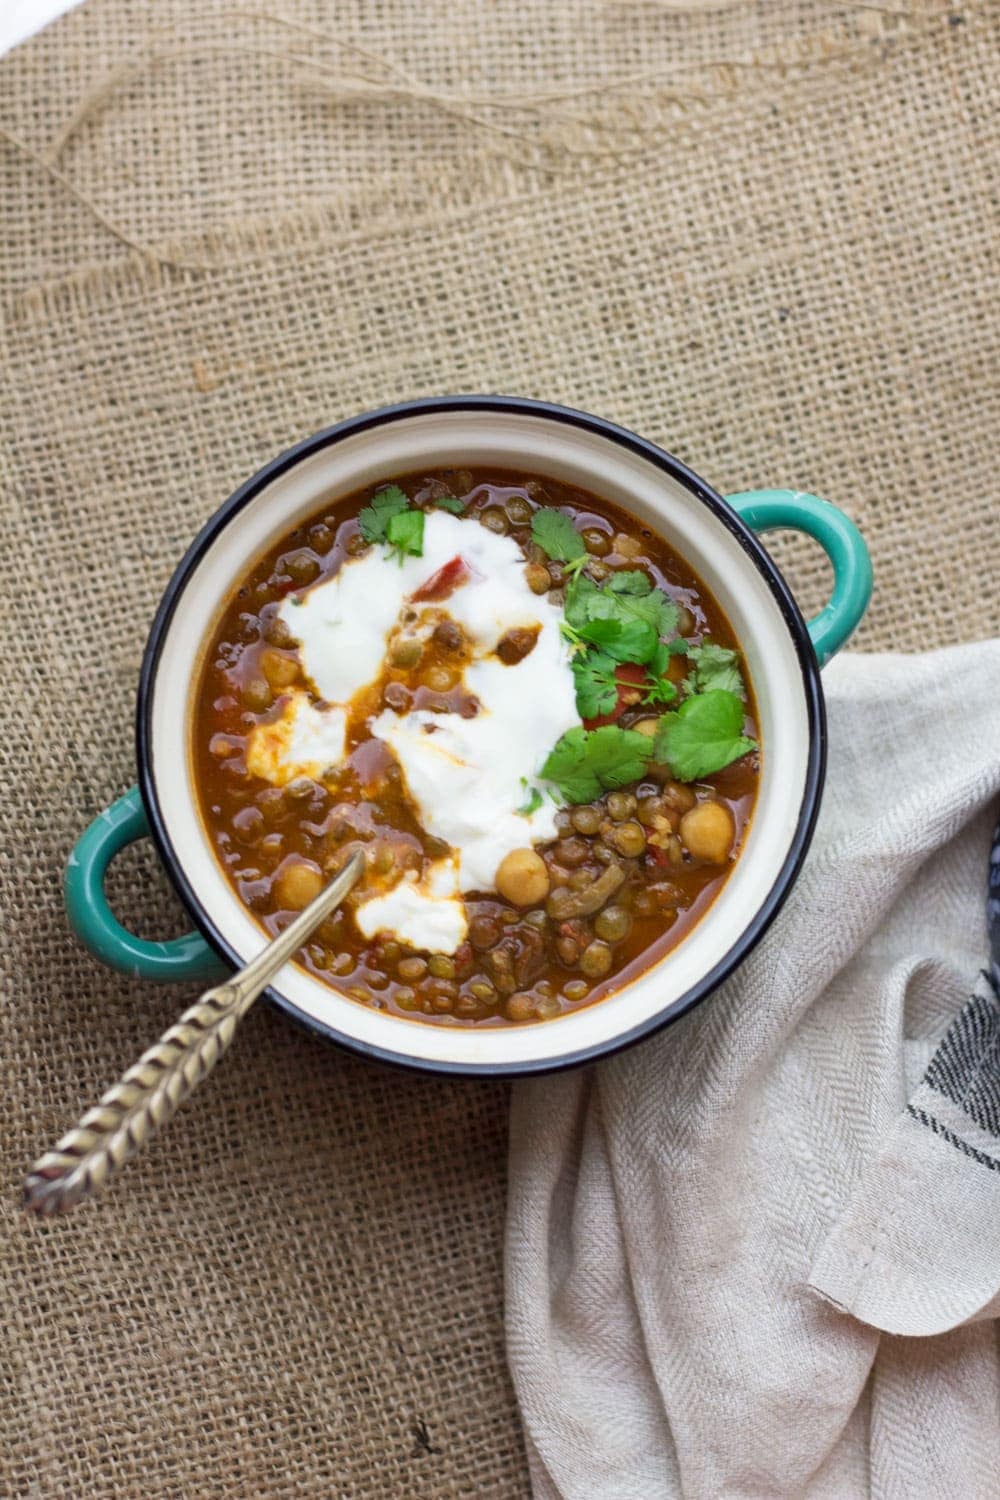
[390,517]
[624,618]
[587,762]
[596,683]
[385,503]
[702,736]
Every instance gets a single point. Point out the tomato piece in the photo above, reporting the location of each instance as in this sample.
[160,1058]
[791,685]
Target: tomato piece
[444,582]
[631,680]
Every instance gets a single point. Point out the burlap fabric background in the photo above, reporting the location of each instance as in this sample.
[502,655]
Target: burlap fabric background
[764,235]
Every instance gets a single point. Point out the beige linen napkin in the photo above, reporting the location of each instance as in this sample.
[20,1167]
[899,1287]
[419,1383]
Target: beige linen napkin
[707,1234]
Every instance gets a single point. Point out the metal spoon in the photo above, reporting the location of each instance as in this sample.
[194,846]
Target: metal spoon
[147,1096]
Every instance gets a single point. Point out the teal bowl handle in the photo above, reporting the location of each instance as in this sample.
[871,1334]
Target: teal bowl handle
[791,510]
[95,924]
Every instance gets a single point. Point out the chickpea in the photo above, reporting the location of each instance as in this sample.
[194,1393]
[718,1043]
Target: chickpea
[441,966]
[483,991]
[519,510]
[536,919]
[494,519]
[586,820]
[596,541]
[280,670]
[613,924]
[685,620]
[356,545]
[595,960]
[297,883]
[406,652]
[321,537]
[547,1008]
[405,997]
[627,546]
[576,989]
[522,878]
[621,805]
[628,838]
[519,1007]
[256,695]
[708,831]
[648,727]
[538,578]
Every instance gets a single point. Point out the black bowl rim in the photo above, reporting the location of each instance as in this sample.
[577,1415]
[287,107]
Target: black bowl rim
[697,487]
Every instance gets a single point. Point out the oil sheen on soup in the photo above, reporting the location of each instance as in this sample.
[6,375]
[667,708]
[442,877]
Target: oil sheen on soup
[525,710]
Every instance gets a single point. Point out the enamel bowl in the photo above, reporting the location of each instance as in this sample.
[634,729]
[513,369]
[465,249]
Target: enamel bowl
[717,537]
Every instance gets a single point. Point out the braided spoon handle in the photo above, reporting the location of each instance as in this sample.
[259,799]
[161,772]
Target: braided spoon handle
[153,1088]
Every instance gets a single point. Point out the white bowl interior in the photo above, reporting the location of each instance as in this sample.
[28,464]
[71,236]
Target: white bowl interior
[538,444]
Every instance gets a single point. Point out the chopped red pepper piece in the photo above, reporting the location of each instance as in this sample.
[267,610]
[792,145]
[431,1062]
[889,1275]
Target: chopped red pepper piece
[444,582]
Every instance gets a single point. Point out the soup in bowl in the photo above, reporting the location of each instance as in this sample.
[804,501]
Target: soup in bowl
[547,682]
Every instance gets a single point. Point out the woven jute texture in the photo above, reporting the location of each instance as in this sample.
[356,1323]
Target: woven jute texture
[762,235]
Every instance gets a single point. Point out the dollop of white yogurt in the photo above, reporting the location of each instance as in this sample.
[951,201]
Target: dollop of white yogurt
[467,777]
[423,913]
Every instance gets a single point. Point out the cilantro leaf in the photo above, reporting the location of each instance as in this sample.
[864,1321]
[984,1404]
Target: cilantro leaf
[654,608]
[596,684]
[533,803]
[385,503]
[579,592]
[556,535]
[716,668]
[629,581]
[621,635]
[405,533]
[450,502]
[659,688]
[703,735]
[586,763]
